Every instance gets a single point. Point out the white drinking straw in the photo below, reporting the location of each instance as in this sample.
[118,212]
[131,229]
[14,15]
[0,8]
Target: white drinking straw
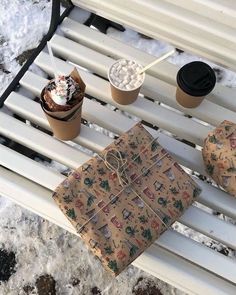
[157,60]
[52,59]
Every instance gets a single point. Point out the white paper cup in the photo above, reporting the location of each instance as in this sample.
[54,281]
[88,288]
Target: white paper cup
[123,96]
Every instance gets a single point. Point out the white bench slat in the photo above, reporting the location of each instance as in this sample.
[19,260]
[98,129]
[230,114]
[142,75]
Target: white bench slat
[174,270]
[224,6]
[140,21]
[194,218]
[40,142]
[180,18]
[214,228]
[142,108]
[30,110]
[216,199]
[210,260]
[28,168]
[32,196]
[210,9]
[154,88]
[171,240]
[167,262]
[187,156]
[104,117]
[165,71]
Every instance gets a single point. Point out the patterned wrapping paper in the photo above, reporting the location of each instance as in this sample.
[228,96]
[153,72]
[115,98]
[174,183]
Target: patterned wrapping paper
[122,230]
[219,155]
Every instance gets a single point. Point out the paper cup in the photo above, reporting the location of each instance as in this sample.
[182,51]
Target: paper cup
[65,130]
[123,96]
[66,124]
[186,100]
[195,80]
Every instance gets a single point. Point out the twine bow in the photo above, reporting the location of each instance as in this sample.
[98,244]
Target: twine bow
[114,161]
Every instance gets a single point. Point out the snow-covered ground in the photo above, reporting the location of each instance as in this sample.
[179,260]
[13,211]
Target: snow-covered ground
[36,247]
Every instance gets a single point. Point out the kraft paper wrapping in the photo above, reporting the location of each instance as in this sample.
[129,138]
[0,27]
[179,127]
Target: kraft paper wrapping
[219,155]
[126,227]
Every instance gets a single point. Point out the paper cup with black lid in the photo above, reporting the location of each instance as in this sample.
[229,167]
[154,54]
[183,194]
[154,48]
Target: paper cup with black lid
[195,80]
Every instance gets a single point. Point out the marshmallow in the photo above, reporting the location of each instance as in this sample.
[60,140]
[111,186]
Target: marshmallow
[124,74]
[123,62]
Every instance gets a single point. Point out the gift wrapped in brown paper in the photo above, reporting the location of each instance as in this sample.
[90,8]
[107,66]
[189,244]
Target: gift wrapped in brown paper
[61,101]
[121,200]
[219,154]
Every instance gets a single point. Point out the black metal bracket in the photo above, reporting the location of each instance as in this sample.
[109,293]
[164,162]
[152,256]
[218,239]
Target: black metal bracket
[56,19]
[102,24]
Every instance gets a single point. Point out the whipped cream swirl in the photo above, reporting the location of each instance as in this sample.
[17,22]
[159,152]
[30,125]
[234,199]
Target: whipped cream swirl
[62,89]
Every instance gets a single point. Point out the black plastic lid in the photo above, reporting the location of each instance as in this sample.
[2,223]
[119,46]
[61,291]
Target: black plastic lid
[196,78]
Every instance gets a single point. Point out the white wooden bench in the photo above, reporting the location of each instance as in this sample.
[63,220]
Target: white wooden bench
[175,258]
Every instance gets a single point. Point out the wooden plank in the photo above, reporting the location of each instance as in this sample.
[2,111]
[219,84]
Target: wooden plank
[148,111]
[165,71]
[188,41]
[210,226]
[210,260]
[172,268]
[185,20]
[193,217]
[174,242]
[102,116]
[30,110]
[117,123]
[40,142]
[33,197]
[30,169]
[177,272]
[154,88]
[210,9]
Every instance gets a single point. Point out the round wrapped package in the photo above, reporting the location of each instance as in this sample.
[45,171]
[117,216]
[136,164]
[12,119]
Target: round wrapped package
[219,155]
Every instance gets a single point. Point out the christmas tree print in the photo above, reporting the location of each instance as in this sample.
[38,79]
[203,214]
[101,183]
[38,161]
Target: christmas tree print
[105,185]
[68,199]
[163,202]
[130,231]
[132,251]
[90,200]
[213,157]
[112,264]
[71,213]
[166,219]
[210,169]
[154,146]
[108,250]
[143,219]
[179,205]
[88,182]
[147,234]
[213,139]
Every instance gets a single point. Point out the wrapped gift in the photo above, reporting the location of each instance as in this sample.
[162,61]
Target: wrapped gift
[219,154]
[121,200]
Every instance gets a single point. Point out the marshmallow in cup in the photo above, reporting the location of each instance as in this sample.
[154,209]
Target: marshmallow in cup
[125,80]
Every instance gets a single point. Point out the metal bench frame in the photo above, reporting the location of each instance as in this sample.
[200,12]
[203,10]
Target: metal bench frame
[56,19]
